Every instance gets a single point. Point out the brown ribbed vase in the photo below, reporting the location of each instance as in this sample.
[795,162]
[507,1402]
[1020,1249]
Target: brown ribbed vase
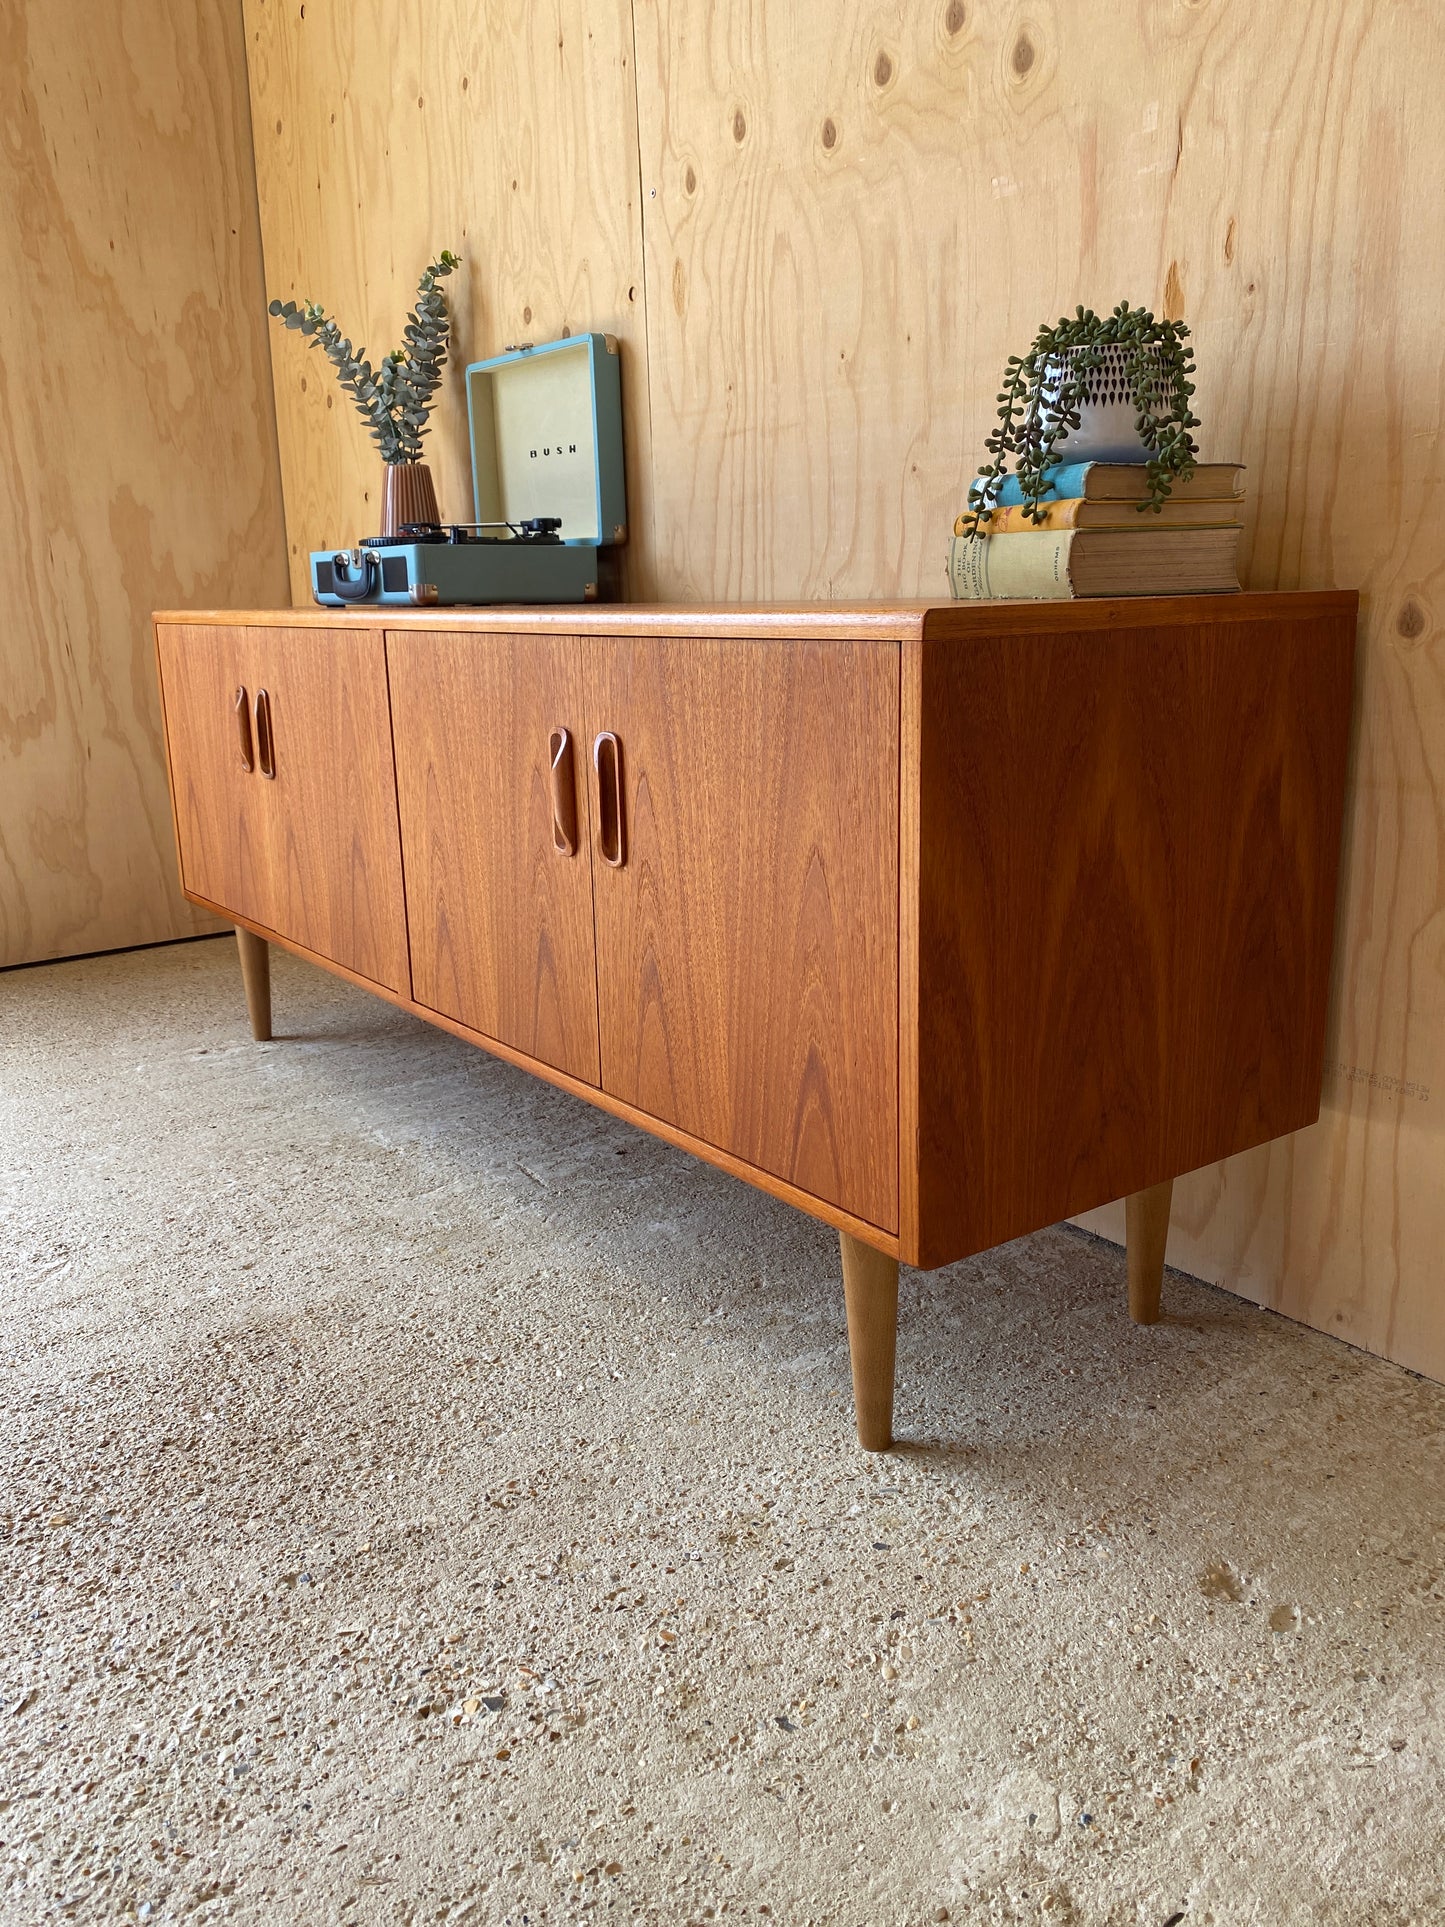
[407,495]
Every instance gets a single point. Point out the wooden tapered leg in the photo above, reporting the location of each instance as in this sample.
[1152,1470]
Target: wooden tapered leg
[1146,1231]
[870,1290]
[256,976]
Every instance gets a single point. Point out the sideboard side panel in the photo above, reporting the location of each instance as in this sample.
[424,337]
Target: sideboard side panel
[1127,855]
[910,733]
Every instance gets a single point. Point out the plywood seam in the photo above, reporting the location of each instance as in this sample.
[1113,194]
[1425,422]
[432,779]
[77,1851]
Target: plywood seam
[139,471]
[642,269]
[272,422]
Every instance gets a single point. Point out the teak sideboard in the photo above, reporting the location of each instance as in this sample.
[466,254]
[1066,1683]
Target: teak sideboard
[940,923]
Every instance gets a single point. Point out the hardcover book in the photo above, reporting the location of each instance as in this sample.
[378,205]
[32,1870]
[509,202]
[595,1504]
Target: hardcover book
[1123,482]
[1077,512]
[1056,564]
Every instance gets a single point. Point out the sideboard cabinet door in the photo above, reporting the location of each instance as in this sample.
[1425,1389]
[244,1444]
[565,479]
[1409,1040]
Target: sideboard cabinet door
[491,772]
[304,841]
[747,900]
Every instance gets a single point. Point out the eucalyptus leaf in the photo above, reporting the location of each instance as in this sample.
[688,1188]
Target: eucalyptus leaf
[396,399]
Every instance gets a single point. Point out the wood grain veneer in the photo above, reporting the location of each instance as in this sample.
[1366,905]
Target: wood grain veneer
[942,925]
[748,948]
[887,619]
[501,923]
[957,920]
[785,621]
[1125,897]
[315,851]
[137,454]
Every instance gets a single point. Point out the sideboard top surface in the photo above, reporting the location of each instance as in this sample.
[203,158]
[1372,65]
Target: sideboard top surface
[885,621]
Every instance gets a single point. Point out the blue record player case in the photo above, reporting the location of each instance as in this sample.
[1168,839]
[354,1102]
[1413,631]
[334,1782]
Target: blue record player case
[547,484]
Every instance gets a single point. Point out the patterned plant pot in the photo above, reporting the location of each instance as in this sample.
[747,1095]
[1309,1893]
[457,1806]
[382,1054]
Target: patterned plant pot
[1106,430]
[407,495]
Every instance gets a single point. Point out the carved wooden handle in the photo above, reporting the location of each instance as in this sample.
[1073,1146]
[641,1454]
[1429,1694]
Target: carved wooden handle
[611,833]
[243,725]
[564,794]
[265,742]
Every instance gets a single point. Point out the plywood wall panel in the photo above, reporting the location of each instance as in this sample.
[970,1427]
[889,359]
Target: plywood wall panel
[387,130]
[860,210]
[840,219]
[137,457]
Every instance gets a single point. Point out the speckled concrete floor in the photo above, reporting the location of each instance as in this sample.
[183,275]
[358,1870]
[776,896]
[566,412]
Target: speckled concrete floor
[423,1499]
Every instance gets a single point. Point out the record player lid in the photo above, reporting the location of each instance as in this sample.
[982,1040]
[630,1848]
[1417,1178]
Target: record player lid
[546,432]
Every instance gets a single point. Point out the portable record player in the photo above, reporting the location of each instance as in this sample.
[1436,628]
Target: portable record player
[547,485]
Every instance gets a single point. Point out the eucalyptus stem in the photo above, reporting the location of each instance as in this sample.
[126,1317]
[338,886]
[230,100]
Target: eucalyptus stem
[395,399]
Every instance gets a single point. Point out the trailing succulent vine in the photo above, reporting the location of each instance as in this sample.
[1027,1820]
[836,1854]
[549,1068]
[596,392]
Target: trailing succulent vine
[395,399]
[1040,400]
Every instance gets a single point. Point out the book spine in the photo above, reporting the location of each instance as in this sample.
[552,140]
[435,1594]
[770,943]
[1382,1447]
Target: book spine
[1031,568]
[1063,479]
[1014,520]
[1109,514]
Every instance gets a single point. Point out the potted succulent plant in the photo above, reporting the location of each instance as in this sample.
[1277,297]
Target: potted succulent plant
[394,400]
[1114,389]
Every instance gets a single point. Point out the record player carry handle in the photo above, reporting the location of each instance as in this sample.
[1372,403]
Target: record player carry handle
[564,794]
[265,741]
[611,832]
[362,589]
[242,707]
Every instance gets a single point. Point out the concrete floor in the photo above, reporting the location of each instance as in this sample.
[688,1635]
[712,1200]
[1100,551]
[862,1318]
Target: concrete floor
[424,1499]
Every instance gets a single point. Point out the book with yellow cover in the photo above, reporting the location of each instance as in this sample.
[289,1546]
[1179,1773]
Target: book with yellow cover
[1078,512]
[1057,564]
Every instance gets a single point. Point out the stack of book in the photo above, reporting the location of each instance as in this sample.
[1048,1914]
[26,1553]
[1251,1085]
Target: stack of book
[1093,540]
